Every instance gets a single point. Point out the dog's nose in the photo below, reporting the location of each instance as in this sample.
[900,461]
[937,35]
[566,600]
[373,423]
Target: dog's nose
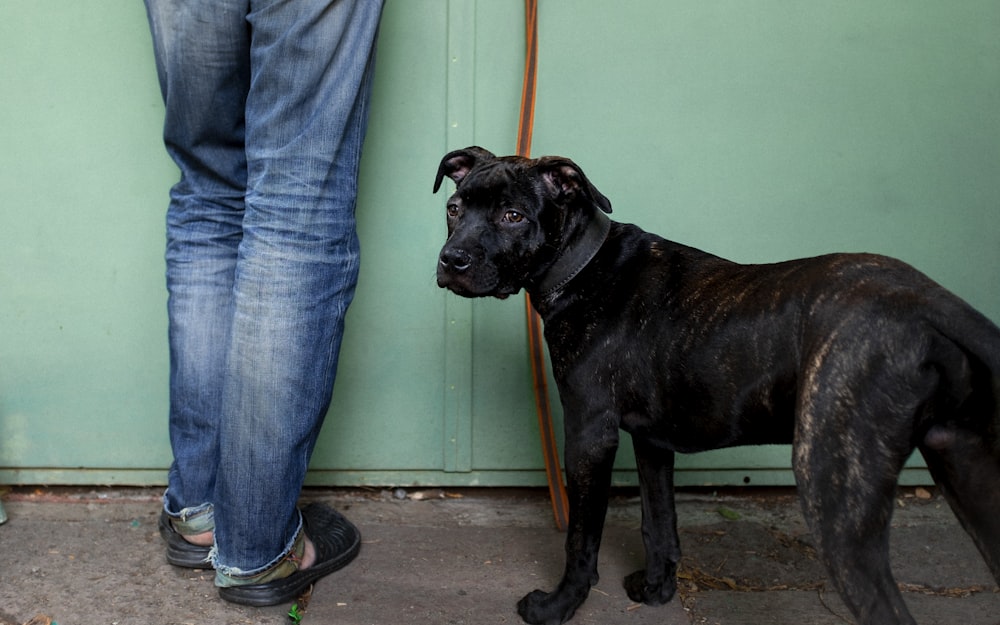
[456,261]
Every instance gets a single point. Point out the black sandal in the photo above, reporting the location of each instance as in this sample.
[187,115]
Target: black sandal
[179,551]
[337,542]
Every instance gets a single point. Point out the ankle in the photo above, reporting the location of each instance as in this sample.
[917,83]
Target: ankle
[308,554]
[204,539]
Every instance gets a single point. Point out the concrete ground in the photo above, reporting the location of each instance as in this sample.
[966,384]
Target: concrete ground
[94,557]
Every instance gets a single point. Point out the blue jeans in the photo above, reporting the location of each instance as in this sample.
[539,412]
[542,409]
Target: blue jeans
[266,111]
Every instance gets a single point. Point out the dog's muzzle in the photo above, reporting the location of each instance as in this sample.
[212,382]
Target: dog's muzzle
[462,273]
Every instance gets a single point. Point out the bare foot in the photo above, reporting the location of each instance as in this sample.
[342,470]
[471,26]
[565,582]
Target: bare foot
[308,555]
[205,539]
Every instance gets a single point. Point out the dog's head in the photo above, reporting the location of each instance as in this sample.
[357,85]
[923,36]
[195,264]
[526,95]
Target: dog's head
[510,218]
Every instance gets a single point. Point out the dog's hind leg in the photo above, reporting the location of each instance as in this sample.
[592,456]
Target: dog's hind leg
[967,468]
[657,583]
[848,505]
[962,449]
[851,441]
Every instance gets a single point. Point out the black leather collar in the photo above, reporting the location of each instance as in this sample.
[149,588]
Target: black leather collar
[573,259]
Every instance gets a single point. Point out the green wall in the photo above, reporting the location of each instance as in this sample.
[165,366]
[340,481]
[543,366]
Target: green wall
[758,130]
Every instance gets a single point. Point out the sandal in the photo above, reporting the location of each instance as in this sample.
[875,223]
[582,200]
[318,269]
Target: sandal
[337,542]
[179,551]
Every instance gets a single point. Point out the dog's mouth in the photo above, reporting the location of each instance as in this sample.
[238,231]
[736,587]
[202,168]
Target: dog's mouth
[466,286]
[472,274]
[465,291]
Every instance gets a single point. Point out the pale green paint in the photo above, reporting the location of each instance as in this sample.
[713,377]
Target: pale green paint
[758,130]
[459,130]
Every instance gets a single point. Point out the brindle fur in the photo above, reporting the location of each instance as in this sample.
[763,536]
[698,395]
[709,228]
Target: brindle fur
[854,359]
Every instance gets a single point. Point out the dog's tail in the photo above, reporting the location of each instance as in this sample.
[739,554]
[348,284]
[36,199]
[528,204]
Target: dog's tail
[979,339]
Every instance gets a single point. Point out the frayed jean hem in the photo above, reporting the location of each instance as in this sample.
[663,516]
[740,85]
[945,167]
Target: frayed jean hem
[282,566]
[193,520]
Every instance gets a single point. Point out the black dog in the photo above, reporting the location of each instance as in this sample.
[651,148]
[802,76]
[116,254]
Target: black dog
[854,359]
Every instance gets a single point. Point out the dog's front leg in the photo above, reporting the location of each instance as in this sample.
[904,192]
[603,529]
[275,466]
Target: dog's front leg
[657,583]
[588,473]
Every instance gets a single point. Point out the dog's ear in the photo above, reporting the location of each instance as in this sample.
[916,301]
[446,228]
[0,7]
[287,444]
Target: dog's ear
[568,183]
[456,165]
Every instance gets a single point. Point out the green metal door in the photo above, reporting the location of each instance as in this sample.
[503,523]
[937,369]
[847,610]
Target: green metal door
[757,130]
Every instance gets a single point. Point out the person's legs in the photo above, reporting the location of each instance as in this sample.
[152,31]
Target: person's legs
[306,113]
[202,58]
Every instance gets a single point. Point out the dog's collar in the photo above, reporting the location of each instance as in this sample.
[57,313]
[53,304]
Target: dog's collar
[573,259]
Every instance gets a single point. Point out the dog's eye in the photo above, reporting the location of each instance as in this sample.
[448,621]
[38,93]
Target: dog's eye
[453,210]
[513,217]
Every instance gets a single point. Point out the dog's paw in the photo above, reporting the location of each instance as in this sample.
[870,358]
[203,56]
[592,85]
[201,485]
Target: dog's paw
[651,594]
[541,608]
